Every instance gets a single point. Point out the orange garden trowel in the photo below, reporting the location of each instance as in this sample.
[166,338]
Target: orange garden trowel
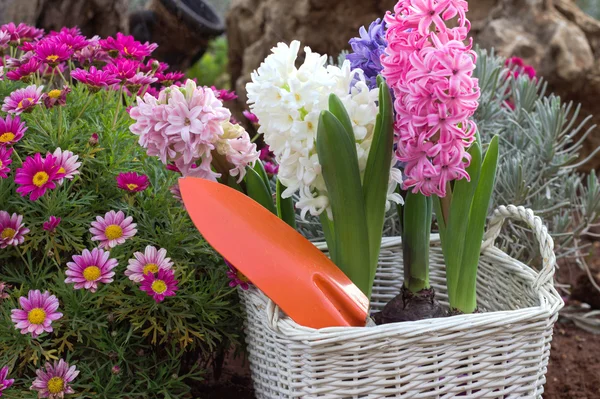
[290,270]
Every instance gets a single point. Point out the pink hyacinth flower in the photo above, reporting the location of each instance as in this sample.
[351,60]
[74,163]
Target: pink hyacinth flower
[90,269]
[113,229]
[160,285]
[37,313]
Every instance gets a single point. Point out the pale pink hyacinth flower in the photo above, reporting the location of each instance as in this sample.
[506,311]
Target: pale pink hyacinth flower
[185,125]
[67,161]
[90,269]
[150,261]
[37,313]
[113,229]
[430,69]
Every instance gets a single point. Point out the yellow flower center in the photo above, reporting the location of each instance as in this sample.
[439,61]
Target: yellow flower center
[20,104]
[56,385]
[8,233]
[150,268]
[52,58]
[241,277]
[159,286]
[1,164]
[40,178]
[126,51]
[132,186]
[113,232]
[61,170]
[54,93]
[91,273]
[7,137]
[36,316]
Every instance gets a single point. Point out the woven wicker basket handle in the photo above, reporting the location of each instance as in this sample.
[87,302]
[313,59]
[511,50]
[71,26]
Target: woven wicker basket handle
[539,230]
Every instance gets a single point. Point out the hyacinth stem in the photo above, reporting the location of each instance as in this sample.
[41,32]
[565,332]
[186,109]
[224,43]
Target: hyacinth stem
[416,229]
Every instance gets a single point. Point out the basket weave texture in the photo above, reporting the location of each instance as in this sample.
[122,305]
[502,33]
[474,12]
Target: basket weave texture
[501,352]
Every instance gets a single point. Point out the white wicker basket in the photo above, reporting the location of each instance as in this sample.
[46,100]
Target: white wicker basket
[500,353]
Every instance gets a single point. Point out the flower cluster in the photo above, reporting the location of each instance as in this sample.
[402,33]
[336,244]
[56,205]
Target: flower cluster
[367,51]
[288,101]
[189,126]
[430,69]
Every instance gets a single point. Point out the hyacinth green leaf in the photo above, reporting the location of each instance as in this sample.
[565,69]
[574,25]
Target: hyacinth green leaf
[416,230]
[260,169]
[339,164]
[336,107]
[285,206]
[258,191]
[377,173]
[466,295]
[329,233]
[458,219]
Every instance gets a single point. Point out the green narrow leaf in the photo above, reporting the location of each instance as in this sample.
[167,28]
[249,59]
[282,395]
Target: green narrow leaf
[258,191]
[415,241]
[336,107]
[377,174]
[285,206]
[342,177]
[260,169]
[329,232]
[466,295]
[462,197]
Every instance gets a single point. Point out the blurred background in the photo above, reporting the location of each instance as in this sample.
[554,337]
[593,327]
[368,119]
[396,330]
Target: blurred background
[220,42]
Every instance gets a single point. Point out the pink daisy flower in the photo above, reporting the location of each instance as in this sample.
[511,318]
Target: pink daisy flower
[52,52]
[5,383]
[224,95]
[91,268]
[149,262]
[112,230]
[56,97]
[67,163]
[132,182]
[167,79]
[5,160]
[176,192]
[25,70]
[11,130]
[21,32]
[251,117]
[237,278]
[23,100]
[123,69]
[12,229]
[3,293]
[94,79]
[51,224]
[138,80]
[53,382]
[127,46]
[73,40]
[37,313]
[160,285]
[37,175]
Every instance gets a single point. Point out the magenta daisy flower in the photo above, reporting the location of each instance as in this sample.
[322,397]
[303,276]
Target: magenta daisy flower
[22,32]
[52,52]
[112,230]
[139,80]
[11,130]
[5,383]
[132,182]
[123,68]
[51,224]
[167,79]
[25,70]
[251,117]
[56,97]
[224,95]
[160,285]
[127,46]
[12,229]
[73,40]
[53,382]
[91,268]
[22,100]
[94,79]
[37,313]
[151,261]
[37,175]
[236,277]
[67,164]
[5,160]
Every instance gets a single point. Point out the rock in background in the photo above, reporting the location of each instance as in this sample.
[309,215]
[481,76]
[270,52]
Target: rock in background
[555,36]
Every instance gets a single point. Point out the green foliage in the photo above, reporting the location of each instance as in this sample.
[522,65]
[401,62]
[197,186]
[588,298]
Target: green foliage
[162,349]
[211,69]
